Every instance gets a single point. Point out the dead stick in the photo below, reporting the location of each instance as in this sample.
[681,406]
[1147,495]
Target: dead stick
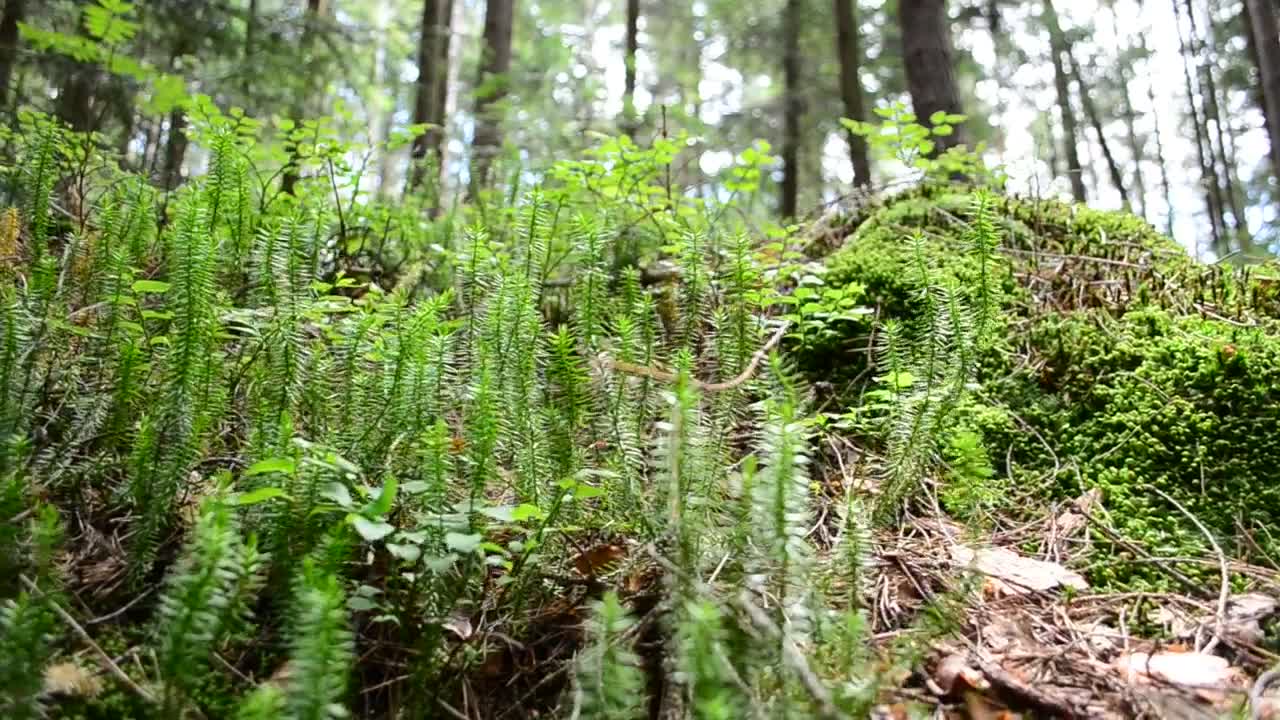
[668,377]
[84,636]
[1025,693]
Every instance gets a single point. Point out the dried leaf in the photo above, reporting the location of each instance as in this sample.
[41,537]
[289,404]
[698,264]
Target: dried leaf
[601,557]
[1016,575]
[68,678]
[1202,671]
[460,625]
[954,674]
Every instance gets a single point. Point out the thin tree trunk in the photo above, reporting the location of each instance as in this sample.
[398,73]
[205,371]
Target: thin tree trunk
[791,111]
[1095,119]
[1212,189]
[491,87]
[1165,185]
[14,11]
[630,121]
[927,58]
[1212,109]
[303,107]
[1138,150]
[433,69]
[175,149]
[1137,146]
[250,38]
[849,51]
[1062,86]
[1264,48]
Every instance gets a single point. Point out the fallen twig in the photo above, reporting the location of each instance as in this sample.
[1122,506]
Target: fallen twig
[111,665]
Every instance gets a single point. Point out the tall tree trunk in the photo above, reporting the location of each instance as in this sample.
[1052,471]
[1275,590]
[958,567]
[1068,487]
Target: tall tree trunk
[1058,48]
[630,121]
[1264,47]
[491,87]
[1095,119]
[304,105]
[1212,111]
[433,76]
[250,40]
[75,97]
[14,11]
[791,112]
[1165,186]
[849,51]
[175,149]
[1137,148]
[1208,179]
[927,56]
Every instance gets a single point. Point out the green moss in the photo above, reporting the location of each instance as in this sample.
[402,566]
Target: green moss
[1128,365]
[1180,403]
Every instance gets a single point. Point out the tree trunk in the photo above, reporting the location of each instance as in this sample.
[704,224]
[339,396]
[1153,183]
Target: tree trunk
[1208,178]
[1165,185]
[303,108]
[433,74]
[75,98]
[1138,150]
[1058,47]
[1212,111]
[926,54]
[13,14]
[1095,119]
[791,112]
[175,149]
[630,121]
[849,52]
[250,38]
[1264,48]
[491,87]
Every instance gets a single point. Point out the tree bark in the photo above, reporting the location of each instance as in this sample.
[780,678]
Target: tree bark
[1058,47]
[791,112]
[1165,185]
[630,121]
[1138,150]
[303,108]
[1208,178]
[175,149]
[1212,111]
[491,87]
[1095,119]
[431,85]
[927,57]
[1260,20]
[14,11]
[849,51]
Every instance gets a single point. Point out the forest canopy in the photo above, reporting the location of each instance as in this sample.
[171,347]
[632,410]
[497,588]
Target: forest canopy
[632,359]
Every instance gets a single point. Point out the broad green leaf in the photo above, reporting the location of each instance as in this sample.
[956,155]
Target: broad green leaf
[338,493]
[386,498]
[150,286]
[260,495]
[370,530]
[408,553]
[270,465]
[462,543]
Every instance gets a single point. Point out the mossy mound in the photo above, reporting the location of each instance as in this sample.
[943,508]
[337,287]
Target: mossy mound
[1150,403]
[1127,364]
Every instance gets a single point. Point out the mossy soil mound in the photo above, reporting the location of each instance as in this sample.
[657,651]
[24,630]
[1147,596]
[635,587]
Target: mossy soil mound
[1125,366]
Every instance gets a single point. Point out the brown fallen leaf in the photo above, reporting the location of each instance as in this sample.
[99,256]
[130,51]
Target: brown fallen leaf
[599,558]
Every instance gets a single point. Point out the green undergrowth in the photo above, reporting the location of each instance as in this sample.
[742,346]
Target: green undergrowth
[1121,364]
[307,454]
